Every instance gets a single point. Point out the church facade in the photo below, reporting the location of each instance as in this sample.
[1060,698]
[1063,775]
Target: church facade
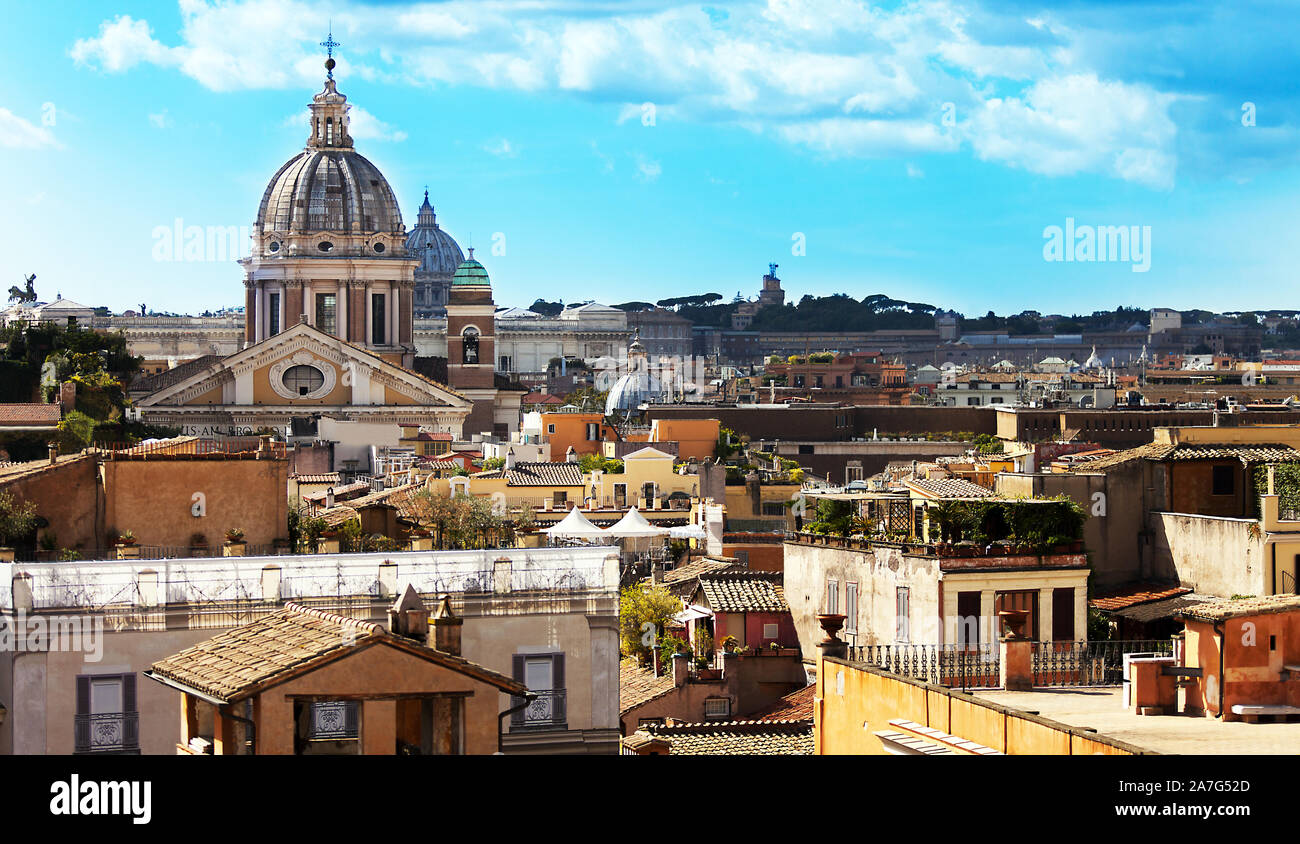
[331,286]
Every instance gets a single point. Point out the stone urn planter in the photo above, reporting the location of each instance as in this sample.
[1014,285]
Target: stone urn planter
[1014,623]
[831,623]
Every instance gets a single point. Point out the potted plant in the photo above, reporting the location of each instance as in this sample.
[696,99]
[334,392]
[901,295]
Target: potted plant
[16,520]
[126,549]
[729,644]
[235,545]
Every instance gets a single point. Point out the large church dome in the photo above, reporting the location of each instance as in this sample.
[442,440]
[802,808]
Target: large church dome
[438,252]
[329,199]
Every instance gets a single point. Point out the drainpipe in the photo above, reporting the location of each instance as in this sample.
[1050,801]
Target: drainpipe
[529,697]
[1218,629]
[252,729]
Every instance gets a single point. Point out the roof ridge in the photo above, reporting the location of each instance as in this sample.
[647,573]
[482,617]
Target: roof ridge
[355,623]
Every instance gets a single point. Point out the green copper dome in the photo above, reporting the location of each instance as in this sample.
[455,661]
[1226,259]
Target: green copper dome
[471,272]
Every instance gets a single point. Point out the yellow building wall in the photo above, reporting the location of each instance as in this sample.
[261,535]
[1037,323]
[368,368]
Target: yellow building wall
[854,701]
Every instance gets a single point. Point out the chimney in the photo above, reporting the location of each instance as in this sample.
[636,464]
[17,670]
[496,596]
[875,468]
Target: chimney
[54,451]
[446,627]
[681,669]
[302,318]
[510,458]
[571,456]
[329,498]
[408,617]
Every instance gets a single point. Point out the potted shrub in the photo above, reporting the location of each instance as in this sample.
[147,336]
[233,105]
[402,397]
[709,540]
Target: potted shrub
[235,545]
[126,546]
[729,644]
[16,520]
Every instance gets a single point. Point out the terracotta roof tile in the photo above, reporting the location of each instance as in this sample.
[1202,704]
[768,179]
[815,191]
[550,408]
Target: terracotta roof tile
[743,592]
[1225,609]
[948,488]
[796,706]
[1132,594]
[280,644]
[538,474]
[735,738]
[30,414]
[637,685]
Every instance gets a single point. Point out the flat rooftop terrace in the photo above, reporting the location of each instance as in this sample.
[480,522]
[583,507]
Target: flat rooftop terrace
[1100,709]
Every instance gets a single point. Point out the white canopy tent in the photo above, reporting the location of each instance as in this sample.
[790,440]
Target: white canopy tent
[576,526]
[633,525]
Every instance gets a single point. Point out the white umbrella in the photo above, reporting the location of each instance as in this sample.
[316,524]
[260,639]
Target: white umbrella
[688,532]
[575,525]
[634,525]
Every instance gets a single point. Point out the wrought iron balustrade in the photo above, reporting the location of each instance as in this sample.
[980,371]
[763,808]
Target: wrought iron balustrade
[113,732]
[548,711]
[957,666]
[1089,663]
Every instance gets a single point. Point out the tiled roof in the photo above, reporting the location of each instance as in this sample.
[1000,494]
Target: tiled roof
[30,414]
[743,592]
[796,706]
[637,685]
[538,474]
[340,492]
[1150,451]
[1246,453]
[327,478]
[948,488]
[1225,609]
[735,738]
[684,576]
[283,643]
[1132,594]
[399,497]
[176,374]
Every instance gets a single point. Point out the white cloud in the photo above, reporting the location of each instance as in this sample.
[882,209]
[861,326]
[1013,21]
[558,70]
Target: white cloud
[914,172]
[502,149]
[1078,123]
[365,126]
[18,133]
[647,169]
[841,77]
[161,120]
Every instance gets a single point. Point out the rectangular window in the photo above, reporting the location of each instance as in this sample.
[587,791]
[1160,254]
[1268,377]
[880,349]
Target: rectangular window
[543,674]
[903,624]
[550,429]
[593,431]
[1224,480]
[968,618]
[850,608]
[106,719]
[771,631]
[1063,615]
[832,597]
[505,364]
[717,708]
[273,313]
[326,308]
[773,508]
[560,498]
[377,319]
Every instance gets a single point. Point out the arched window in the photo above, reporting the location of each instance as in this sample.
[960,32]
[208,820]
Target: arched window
[469,341]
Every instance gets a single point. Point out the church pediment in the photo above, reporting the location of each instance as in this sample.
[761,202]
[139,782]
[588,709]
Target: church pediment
[304,366]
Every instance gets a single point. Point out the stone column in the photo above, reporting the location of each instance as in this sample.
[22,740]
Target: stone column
[989,631]
[251,312]
[356,332]
[407,313]
[1045,615]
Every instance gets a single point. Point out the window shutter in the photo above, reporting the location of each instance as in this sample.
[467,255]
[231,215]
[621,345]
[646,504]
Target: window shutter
[517,668]
[128,693]
[559,710]
[83,695]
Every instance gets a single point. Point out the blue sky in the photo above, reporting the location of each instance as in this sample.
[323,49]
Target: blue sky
[919,149]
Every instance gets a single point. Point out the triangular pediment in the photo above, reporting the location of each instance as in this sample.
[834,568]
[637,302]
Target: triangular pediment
[340,363]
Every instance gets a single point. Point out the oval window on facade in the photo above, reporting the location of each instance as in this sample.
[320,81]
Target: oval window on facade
[325,246]
[274,246]
[379,247]
[303,379]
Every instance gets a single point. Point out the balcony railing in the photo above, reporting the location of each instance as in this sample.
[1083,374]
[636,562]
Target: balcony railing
[957,666]
[548,711]
[114,732]
[1090,663]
